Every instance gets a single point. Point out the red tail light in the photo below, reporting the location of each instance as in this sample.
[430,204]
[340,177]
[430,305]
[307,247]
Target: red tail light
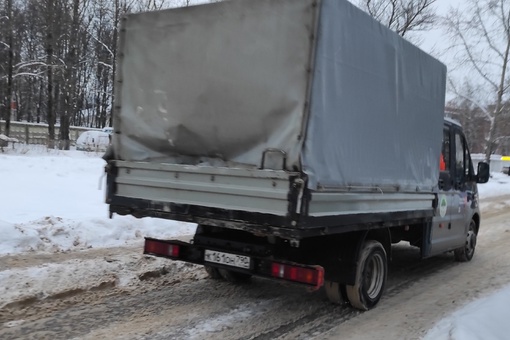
[313,275]
[173,250]
[161,248]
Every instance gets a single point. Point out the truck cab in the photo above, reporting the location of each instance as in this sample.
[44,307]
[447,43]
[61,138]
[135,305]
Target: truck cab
[457,219]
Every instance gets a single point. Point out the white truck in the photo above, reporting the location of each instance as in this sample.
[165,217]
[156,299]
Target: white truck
[303,138]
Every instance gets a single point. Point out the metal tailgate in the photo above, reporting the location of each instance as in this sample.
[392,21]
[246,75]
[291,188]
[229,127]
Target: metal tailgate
[252,190]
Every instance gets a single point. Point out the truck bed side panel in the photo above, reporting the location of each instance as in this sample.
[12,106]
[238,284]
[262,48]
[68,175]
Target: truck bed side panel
[377,106]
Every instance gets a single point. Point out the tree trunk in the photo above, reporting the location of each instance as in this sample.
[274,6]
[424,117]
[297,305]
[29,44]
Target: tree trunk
[49,61]
[114,61]
[70,79]
[10,59]
[39,102]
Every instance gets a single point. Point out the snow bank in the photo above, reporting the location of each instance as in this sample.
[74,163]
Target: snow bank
[53,201]
[57,234]
[51,279]
[498,185]
[481,319]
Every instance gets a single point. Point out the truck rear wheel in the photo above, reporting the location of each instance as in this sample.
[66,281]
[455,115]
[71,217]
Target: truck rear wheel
[234,277]
[465,253]
[371,272]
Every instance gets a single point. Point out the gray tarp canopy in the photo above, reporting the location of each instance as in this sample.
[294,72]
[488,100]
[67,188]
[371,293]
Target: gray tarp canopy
[348,101]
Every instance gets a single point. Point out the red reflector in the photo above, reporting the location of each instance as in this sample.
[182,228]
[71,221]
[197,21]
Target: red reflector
[310,275]
[161,248]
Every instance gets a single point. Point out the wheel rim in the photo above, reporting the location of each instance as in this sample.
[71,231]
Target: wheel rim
[373,279]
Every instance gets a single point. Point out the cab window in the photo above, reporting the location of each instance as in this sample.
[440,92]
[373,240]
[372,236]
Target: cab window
[445,180]
[460,161]
[444,162]
[463,164]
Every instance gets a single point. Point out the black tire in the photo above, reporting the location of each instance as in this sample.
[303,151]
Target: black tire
[213,272]
[335,292]
[371,273]
[234,277]
[466,253]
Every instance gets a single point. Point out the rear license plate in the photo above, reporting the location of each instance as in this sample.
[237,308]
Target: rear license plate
[227,259]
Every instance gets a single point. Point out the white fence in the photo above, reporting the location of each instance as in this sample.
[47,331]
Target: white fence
[33,133]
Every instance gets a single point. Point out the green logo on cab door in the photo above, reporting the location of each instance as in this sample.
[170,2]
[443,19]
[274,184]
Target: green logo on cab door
[443,205]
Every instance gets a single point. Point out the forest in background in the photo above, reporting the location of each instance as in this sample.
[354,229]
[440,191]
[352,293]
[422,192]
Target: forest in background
[57,60]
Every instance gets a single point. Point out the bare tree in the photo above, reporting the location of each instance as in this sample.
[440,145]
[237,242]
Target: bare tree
[402,16]
[57,60]
[481,37]
[70,78]
[10,61]
[472,120]
[151,5]
[50,19]
[33,61]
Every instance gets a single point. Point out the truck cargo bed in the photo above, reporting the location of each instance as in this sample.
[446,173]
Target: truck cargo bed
[214,187]
[260,201]
[345,101]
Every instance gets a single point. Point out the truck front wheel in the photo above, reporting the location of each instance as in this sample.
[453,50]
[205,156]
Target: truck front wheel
[371,272]
[465,253]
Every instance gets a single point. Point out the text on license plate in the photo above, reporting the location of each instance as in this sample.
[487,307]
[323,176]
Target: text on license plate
[233,260]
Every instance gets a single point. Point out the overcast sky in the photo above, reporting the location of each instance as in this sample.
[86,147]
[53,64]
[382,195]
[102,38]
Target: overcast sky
[435,41]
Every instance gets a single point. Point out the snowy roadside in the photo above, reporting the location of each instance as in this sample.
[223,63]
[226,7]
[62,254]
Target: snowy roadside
[485,318]
[51,203]
[56,234]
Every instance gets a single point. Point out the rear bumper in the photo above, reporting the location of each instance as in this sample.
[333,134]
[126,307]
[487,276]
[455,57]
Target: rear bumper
[311,276]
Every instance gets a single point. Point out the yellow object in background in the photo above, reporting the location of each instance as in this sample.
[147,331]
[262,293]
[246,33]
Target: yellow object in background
[505,158]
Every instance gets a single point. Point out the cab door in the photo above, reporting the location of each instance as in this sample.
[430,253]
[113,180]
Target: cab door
[464,197]
[457,196]
[442,237]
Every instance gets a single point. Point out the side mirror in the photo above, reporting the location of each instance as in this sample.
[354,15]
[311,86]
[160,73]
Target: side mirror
[483,173]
